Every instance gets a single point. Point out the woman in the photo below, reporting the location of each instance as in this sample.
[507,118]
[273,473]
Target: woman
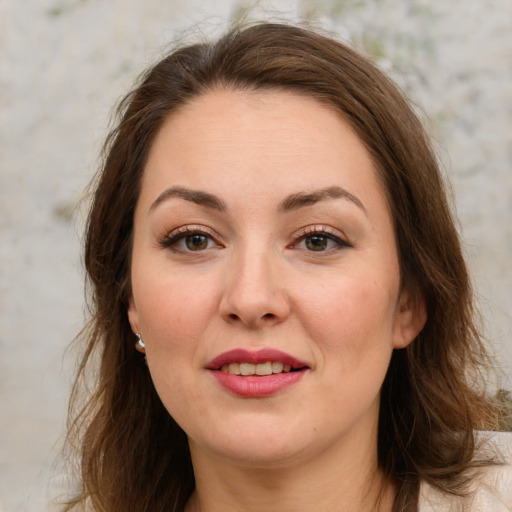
[271,232]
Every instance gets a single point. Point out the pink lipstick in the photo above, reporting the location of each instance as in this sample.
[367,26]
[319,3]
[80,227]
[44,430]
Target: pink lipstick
[256,374]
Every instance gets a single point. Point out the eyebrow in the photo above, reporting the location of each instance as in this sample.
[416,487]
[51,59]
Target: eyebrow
[302,199]
[195,196]
[289,203]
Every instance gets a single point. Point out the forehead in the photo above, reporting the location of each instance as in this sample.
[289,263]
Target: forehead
[276,118]
[258,142]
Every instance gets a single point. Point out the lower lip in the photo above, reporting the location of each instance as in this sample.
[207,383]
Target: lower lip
[257,386]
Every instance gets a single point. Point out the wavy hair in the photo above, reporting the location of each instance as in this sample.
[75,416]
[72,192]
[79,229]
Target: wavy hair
[133,456]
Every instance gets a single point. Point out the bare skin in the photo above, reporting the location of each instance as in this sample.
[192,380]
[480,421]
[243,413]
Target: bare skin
[261,225]
[333,482]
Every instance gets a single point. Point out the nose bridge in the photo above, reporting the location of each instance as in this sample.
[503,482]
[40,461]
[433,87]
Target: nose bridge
[254,292]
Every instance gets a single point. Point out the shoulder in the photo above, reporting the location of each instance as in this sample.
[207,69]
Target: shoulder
[491,489]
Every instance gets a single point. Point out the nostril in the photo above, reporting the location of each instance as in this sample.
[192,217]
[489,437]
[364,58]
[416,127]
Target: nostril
[269,316]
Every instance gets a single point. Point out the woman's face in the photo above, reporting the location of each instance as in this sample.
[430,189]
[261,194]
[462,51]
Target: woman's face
[265,278]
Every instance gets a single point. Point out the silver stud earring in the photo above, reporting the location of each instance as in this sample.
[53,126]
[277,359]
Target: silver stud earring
[139,345]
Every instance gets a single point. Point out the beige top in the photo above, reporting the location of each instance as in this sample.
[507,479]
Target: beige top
[491,491]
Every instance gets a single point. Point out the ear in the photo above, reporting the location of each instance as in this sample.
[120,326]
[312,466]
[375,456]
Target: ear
[133,316]
[411,316]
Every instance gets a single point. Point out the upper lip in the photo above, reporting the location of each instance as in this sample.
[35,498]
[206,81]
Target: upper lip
[263,355]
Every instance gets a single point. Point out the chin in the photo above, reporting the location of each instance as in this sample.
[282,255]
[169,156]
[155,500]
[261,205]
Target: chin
[261,456]
[256,444]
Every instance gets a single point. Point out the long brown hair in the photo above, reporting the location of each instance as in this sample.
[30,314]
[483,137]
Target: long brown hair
[133,455]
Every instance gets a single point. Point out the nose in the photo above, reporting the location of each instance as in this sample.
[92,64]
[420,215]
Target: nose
[254,293]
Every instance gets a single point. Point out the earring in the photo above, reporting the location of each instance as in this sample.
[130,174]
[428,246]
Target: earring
[139,344]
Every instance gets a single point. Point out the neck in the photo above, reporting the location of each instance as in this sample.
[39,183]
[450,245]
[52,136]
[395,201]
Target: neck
[345,478]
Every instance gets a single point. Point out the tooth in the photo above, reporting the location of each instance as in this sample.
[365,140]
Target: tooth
[225,368]
[247,369]
[264,368]
[286,368]
[234,368]
[277,367]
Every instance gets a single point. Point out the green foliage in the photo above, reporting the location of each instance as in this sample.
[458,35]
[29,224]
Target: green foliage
[503,402]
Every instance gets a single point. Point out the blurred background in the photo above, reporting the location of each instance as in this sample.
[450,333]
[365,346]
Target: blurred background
[63,66]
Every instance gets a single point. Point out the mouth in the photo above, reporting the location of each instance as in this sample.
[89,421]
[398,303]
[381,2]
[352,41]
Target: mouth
[260,369]
[261,363]
[256,374]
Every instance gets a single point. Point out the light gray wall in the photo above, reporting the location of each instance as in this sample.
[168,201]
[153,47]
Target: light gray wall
[63,63]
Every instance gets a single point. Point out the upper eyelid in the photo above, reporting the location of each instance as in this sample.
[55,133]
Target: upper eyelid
[319,228]
[190,229]
[301,233]
[171,237]
[334,234]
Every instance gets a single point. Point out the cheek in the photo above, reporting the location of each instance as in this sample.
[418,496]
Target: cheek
[349,325]
[174,310]
[175,315]
[352,316]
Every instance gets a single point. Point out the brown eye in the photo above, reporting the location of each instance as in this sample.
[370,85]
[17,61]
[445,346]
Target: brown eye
[316,242]
[320,241]
[188,239]
[196,242]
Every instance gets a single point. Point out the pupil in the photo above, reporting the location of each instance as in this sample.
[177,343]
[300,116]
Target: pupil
[316,243]
[196,242]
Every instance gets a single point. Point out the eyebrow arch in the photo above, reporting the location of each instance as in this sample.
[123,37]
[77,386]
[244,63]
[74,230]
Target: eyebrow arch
[301,199]
[194,196]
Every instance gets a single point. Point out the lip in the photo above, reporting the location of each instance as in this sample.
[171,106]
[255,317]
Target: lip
[254,357]
[253,386]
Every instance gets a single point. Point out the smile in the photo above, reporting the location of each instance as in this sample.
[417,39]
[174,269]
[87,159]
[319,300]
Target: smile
[268,368]
[258,374]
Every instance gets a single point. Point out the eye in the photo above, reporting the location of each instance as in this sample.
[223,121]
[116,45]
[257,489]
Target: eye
[189,239]
[319,240]
[197,242]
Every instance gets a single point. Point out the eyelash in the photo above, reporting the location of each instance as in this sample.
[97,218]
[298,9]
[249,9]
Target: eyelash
[171,240]
[321,232]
